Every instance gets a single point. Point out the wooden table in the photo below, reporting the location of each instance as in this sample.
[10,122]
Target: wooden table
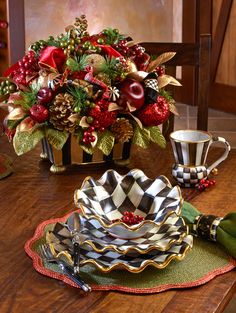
[32,194]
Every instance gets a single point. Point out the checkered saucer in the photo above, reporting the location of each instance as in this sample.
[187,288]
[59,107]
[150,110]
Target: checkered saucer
[107,198]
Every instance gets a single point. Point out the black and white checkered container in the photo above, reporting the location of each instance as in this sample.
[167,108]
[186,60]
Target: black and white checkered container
[71,153]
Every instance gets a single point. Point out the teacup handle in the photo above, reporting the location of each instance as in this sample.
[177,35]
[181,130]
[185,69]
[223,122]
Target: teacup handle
[224,155]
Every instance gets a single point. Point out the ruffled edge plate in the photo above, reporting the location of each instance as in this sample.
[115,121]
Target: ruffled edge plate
[119,228]
[134,263]
[158,238]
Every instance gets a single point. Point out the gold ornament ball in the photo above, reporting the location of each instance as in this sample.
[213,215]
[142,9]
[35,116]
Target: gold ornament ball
[97,61]
[215,171]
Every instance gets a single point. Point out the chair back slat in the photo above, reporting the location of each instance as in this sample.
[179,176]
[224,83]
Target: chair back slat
[186,53]
[196,55]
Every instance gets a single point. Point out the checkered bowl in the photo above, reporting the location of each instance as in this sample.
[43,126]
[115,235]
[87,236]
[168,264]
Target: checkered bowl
[106,199]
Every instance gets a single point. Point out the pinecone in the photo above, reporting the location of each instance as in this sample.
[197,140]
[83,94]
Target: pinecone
[122,130]
[60,111]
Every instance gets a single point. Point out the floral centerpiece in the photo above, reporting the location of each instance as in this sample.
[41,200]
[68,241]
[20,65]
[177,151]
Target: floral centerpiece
[101,88]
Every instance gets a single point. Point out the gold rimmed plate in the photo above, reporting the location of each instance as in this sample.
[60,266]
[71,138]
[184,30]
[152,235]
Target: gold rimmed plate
[133,262]
[159,237]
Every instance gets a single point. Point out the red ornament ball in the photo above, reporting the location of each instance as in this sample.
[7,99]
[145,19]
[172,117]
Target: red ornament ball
[39,113]
[155,113]
[133,92]
[45,95]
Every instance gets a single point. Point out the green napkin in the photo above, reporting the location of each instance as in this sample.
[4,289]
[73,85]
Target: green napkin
[200,225]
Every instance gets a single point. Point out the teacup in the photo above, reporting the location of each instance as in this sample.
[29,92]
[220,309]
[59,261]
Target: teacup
[190,149]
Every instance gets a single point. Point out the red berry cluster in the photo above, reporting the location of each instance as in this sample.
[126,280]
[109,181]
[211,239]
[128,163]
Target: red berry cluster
[121,47]
[205,183]
[88,136]
[101,118]
[160,70]
[130,218]
[27,67]
[134,52]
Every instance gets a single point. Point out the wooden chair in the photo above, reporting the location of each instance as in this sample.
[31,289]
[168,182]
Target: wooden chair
[196,55]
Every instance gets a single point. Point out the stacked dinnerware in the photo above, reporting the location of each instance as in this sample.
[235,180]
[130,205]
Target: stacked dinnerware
[154,234]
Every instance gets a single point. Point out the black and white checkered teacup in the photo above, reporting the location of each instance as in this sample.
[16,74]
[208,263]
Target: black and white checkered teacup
[190,149]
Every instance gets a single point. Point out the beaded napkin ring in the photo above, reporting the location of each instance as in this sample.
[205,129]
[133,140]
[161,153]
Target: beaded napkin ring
[205,226]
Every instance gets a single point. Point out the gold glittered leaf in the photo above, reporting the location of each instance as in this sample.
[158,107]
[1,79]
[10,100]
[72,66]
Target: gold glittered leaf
[83,122]
[137,120]
[106,142]
[164,57]
[24,141]
[156,136]
[173,81]
[163,81]
[131,43]
[26,124]
[141,137]
[56,137]
[16,114]
[87,148]
[73,117]
[114,107]
[172,108]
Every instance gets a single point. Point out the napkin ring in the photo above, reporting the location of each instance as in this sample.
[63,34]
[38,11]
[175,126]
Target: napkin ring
[205,226]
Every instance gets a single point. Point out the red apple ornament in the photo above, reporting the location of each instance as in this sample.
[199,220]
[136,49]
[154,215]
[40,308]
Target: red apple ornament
[133,92]
[39,113]
[155,113]
[45,95]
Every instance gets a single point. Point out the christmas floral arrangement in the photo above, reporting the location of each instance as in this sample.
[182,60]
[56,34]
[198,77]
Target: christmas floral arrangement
[101,88]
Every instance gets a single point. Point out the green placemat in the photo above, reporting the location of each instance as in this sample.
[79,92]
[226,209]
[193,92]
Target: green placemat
[205,261]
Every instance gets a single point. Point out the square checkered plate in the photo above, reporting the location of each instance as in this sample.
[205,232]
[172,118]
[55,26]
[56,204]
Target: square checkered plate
[159,237]
[109,260]
[107,198]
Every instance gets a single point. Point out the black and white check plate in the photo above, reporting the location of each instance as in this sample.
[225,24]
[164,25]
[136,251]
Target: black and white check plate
[109,260]
[110,196]
[159,237]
